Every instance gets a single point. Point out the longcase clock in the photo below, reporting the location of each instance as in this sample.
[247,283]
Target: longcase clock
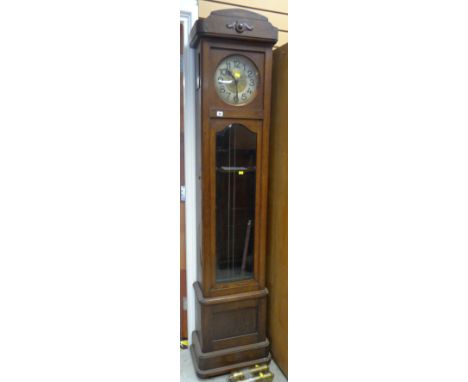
[234,58]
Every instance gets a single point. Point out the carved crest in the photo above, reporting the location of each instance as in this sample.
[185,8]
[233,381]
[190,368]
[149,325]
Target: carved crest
[239,27]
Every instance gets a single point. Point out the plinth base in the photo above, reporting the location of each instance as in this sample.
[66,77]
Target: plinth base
[224,361]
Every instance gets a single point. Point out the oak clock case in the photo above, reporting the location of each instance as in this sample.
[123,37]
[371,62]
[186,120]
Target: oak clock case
[234,52]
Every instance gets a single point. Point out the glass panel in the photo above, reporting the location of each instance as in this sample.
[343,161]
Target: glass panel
[236,157]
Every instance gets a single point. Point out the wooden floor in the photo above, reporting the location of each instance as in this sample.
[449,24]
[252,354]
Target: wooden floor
[187,372]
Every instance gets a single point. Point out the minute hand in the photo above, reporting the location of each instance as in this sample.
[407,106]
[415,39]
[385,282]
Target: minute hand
[235,81]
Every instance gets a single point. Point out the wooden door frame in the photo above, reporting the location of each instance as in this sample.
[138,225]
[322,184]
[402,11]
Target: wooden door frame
[188,16]
[183,266]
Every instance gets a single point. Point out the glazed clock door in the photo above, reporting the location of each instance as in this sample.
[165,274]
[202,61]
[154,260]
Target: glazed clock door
[236,152]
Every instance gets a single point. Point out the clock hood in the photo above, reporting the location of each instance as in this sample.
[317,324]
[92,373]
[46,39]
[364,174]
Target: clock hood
[234,24]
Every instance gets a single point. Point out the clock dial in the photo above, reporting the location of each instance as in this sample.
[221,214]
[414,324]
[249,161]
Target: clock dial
[236,80]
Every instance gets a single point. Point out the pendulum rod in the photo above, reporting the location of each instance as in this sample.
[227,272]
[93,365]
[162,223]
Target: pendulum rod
[229,206]
[234,191]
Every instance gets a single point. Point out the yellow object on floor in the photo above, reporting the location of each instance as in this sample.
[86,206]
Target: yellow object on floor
[257,373]
[184,344]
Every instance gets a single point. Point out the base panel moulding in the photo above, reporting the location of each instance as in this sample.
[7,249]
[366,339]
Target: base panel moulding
[224,361]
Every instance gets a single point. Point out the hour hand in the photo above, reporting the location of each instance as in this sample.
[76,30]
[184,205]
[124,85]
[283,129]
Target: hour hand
[225,81]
